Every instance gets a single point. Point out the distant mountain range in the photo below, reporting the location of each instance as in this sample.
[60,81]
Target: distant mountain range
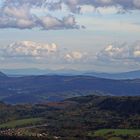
[34,89]
[123,75]
[33,71]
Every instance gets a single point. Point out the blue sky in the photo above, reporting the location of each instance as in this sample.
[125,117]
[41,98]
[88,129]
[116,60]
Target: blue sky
[73,34]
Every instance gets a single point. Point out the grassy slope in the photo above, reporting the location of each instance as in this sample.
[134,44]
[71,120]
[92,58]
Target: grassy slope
[103,132]
[116,134]
[23,122]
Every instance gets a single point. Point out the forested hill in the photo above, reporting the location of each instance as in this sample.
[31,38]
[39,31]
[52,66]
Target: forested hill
[75,118]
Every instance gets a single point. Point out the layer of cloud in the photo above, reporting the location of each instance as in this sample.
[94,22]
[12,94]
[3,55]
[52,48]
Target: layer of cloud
[74,4]
[127,5]
[18,13]
[32,52]
[29,51]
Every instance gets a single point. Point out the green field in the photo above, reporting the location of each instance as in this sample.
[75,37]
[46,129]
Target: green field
[115,134]
[20,123]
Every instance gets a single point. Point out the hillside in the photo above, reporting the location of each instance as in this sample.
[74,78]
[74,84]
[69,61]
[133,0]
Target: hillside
[34,89]
[89,117]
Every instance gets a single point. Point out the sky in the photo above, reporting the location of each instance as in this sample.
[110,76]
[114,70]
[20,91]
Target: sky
[97,35]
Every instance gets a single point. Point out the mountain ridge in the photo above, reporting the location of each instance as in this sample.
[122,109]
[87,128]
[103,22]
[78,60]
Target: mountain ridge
[120,75]
[56,88]
[2,75]
[69,72]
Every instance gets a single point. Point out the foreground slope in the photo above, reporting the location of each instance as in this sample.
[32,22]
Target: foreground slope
[90,117]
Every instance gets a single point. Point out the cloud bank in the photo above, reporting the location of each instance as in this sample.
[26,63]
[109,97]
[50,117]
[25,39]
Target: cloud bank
[29,51]
[18,13]
[33,52]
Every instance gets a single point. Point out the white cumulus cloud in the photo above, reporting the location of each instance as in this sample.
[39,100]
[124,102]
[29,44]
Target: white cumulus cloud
[19,14]
[29,51]
[122,54]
